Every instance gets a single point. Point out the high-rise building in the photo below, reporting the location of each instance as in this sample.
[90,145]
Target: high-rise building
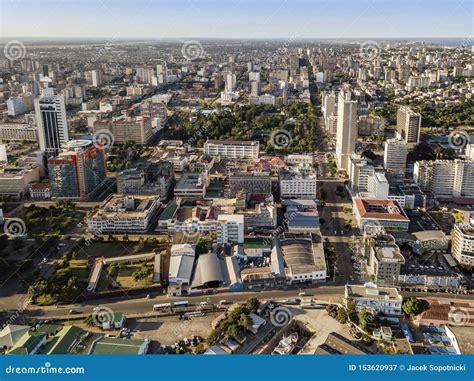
[408,126]
[230,82]
[445,178]
[346,129]
[52,123]
[15,106]
[395,156]
[329,105]
[77,171]
[463,244]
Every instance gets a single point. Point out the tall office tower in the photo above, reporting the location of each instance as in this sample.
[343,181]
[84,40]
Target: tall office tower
[329,106]
[395,156]
[77,171]
[255,88]
[45,71]
[346,129]
[93,77]
[408,126]
[230,82]
[52,123]
[162,72]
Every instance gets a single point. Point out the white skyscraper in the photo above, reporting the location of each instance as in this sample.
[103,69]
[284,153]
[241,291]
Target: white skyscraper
[346,129]
[52,123]
[395,156]
[230,82]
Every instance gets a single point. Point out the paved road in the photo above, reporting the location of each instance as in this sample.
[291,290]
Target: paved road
[322,293]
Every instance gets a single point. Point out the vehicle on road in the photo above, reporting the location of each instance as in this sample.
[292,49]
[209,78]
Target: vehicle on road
[161,306]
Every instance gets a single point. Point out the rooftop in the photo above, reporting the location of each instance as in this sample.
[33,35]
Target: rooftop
[380,209]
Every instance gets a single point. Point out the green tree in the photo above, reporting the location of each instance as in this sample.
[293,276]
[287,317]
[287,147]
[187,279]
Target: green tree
[412,306]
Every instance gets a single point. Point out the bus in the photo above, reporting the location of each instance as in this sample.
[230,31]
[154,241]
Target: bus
[162,306]
[182,303]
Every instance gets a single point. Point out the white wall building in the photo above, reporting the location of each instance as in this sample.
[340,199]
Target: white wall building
[378,300]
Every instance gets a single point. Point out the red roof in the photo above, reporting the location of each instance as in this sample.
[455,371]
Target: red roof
[367,208]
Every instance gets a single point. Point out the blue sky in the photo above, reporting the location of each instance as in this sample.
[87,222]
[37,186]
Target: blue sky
[237,18]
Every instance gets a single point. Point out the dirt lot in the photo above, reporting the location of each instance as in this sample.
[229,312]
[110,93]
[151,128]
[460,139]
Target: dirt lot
[322,324]
[166,330]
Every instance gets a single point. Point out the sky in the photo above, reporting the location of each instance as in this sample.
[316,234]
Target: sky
[261,19]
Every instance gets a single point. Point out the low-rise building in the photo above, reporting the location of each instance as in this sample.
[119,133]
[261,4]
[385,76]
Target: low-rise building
[386,213]
[181,264]
[385,258]
[378,300]
[232,149]
[298,260]
[153,178]
[124,214]
[298,182]
[14,181]
[191,186]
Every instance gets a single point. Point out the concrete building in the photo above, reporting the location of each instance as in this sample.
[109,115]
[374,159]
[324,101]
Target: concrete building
[346,129]
[371,125]
[463,244]
[385,258]
[155,178]
[386,213]
[230,229]
[191,186]
[15,106]
[445,178]
[252,183]
[408,126]
[124,214]
[395,156]
[232,149]
[14,181]
[138,129]
[298,182]
[378,300]
[298,260]
[18,132]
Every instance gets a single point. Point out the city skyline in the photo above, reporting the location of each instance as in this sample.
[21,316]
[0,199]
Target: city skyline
[338,19]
